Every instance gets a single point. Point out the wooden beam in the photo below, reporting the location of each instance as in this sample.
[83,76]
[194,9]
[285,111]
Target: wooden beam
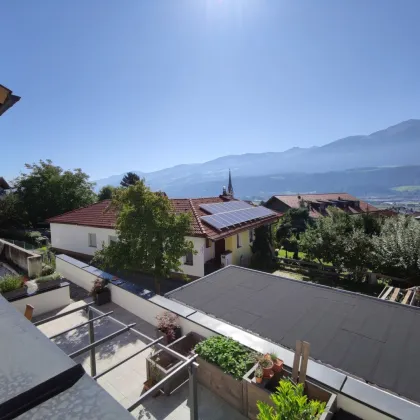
[385,295]
[395,294]
[304,365]
[29,311]
[296,361]
[406,297]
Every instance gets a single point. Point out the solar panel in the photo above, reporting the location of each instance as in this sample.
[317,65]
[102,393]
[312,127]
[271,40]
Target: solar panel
[216,208]
[236,217]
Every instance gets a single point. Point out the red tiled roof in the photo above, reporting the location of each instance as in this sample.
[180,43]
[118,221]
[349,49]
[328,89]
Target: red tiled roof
[293,201]
[96,215]
[99,215]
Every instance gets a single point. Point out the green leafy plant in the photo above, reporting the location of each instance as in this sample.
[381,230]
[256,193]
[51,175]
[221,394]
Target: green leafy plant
[258,372]
[263,361]
[47,270]
[43,279]
[231,356]
[290,403]
[10,282]
[273,356]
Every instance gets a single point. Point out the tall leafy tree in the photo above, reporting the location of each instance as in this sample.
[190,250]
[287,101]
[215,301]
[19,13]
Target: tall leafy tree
[10,211]
[151,236]
[341,240]
[130,178]
[291,226]
[47,190]
[105,193]
[262,252]
[397,248]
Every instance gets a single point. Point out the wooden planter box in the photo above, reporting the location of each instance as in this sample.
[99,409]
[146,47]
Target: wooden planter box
[43,285]
[22,291]
[261,392]
[222,384]
[160,364]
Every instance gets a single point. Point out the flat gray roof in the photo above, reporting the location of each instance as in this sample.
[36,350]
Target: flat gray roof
[29,360]
[375,340]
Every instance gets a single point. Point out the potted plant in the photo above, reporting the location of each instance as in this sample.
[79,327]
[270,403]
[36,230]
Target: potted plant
[277,363]
[266,364]
[290,402]
[100,292]
[258,375]
[48,282]
[168,327]
[12,286]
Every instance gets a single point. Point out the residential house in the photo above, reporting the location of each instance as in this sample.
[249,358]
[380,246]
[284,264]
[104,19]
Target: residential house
[7,99]
[318,204]
[222,231]
[3,186]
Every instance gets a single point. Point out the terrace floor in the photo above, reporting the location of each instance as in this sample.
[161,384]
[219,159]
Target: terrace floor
[125,383]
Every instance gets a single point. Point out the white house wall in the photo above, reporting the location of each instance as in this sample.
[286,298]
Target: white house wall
[197,269]
[76,238]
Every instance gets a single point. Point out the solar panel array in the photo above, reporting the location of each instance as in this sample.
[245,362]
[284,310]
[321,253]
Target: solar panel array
[236,217]
[223,207]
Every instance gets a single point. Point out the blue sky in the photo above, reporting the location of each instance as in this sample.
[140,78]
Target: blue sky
[111,86]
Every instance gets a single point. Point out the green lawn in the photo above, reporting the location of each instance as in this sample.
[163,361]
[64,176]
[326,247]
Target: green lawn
[302,256]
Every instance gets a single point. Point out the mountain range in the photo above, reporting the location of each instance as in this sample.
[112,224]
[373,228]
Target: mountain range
[363,164]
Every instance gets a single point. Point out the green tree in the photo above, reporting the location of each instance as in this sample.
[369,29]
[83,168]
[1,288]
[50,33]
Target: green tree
[105,193]
[130,178]
[293,223]
[151,236]
[397,249]
[47,190]
[262,252]
[10,211]
[339,239]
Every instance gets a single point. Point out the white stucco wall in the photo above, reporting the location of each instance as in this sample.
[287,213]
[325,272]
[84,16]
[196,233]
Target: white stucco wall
[208,252]
[197,269]
[45,302]
[76,238]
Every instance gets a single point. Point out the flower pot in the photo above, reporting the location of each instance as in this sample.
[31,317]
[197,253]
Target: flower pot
[48,284]
[278,365]
[258,380]
[103,297]
[13,294]
[268,371]
[167,338]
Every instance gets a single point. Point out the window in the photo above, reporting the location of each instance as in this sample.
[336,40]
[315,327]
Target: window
[238,241]
[208,243]
[92,240]
[189,259]
[112,239]
[251,235]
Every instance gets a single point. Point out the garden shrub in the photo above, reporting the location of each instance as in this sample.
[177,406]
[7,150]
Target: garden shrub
[231,356]
[54,276]
[10,282]
[290,403]
[47,270]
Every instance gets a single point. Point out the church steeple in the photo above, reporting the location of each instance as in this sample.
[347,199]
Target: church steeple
[230,187]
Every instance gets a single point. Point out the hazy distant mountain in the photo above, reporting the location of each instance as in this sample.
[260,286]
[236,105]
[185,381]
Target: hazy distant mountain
[398,145]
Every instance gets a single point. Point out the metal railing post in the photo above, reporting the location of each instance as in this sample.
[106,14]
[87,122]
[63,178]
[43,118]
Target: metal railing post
[92,340]
[193,392]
